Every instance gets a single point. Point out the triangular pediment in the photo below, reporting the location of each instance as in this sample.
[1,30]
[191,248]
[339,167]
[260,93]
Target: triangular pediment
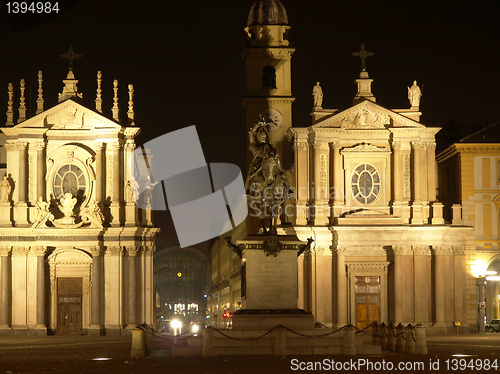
[366,115]
[67,115]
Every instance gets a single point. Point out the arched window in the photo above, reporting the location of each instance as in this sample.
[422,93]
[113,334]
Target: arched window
[268,78]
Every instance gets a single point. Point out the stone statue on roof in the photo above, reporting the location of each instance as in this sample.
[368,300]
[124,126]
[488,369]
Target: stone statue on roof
[414,95]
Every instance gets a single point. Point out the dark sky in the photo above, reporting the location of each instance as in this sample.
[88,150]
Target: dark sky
[184,59]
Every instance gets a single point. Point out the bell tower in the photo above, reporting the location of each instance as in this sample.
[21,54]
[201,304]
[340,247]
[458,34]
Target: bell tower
[267,59]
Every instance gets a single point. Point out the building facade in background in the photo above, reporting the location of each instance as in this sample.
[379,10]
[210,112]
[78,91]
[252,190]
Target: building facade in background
[365,182]
[469,172]
[76,254]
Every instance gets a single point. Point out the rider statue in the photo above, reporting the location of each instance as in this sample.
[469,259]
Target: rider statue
[266,184]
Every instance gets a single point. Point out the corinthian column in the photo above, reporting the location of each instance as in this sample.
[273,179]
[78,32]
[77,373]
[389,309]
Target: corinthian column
[439,285]
[39,252]
[97,291]
[340,293]
[131,288]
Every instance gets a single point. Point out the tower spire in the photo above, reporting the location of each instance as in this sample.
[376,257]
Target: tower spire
[22,103]
[39,101]
[98,100]
[115,102]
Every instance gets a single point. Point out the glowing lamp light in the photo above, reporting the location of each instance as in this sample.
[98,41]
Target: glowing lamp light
[479,269]
[493,278]
[195,328]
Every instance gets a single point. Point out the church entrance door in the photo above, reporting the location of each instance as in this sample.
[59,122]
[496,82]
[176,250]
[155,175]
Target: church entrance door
[69,305]
[367,300]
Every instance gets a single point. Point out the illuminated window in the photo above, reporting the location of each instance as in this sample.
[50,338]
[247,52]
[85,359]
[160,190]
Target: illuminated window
[365,184]
[69,178]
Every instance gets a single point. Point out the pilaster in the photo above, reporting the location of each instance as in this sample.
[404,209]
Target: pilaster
[338,179]
[320,188]
[301,150]
[340,294]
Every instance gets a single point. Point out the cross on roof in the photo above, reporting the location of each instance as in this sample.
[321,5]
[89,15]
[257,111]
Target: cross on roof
[363,54]
[70,55]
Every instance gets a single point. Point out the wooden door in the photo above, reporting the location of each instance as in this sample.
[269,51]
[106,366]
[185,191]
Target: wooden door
[367,300]
[69,305]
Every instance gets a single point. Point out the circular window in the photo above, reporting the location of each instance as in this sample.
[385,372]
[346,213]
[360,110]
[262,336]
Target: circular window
[69,178]
[365,184]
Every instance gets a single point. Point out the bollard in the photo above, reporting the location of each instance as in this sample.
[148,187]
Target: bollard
[375,333]
[207,342]
[391,338]
[280,342]
[421,336]
[382,336]
[410,343]
[138,343]
[400,339]
[349,348]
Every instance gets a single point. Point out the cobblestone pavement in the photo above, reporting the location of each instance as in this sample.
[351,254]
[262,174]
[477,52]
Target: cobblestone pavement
[78,354]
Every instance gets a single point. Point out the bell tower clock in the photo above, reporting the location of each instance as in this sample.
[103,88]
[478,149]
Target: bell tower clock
[267,59]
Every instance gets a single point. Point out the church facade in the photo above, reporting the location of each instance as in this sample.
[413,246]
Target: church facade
[365,182]
[76,254]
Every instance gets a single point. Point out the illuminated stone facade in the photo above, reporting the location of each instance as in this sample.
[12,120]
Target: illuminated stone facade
[469,173]
[365,190]
[83,265]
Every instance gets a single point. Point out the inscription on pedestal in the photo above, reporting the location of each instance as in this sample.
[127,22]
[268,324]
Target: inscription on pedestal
[271,282]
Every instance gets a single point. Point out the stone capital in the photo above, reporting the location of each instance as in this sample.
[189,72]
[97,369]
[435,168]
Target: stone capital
[459,250]
[4,251]
[132,251]
[430,146]
[114,146]
[300,146]
[320,146]
[402,249]
[335,146]
[20,251]
[339,251]
[129,146]
[95,251]
[442,250]
[38,146]
[38,250]
[418,145]
[396,146]
[421,250]
[99,146]
[113,251]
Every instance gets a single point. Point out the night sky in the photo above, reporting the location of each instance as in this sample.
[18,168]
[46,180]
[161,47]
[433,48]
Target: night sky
[184,59]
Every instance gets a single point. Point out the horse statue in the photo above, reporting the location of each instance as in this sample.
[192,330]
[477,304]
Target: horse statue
[266,184]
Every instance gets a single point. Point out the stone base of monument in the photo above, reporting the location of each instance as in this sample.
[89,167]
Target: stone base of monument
[258,319]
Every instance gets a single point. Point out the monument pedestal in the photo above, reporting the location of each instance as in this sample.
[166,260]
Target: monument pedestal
[269,284]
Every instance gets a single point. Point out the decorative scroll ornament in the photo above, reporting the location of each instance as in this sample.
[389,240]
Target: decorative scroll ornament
[364,147]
